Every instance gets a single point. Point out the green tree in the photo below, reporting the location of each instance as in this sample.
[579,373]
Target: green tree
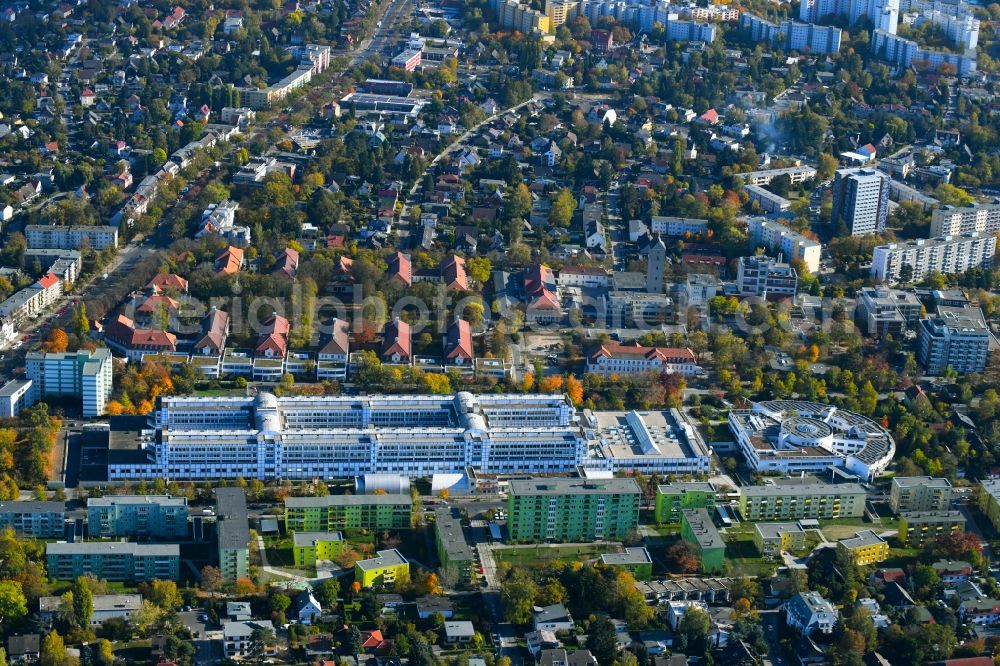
[53,652]
[602,641]
[561,211]
[694,625]
[105,652]
[164,593]
[353,642]
[868,398]
[327,592]
[13,604]
[517,594]
[83,602]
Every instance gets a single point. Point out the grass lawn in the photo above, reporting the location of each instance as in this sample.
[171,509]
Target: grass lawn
[743,559]
[534,556]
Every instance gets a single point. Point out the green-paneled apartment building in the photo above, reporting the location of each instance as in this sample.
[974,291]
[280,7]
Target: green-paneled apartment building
[116,561]
[453,550]
[339,512]
[807,500]
[571,509]
[699,532]
[989,500]
[309,547]
[159,516]
[233,531]
[672,497]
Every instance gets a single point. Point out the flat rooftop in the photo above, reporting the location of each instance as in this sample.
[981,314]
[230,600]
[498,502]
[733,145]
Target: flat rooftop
[386,558]
[631,556]
[635,434]
[564,486]
[306,539]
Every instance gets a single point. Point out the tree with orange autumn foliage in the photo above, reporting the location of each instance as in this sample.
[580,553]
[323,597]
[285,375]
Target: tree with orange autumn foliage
[574,388]
[528,382]
[57,342]
[245,587]
[551,384]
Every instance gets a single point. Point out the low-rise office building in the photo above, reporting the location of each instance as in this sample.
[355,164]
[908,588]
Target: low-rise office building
[882,311]
[919,493]
[636,561]
[764,276]
[560,509]
[159,516]
[114,561]
[104,607]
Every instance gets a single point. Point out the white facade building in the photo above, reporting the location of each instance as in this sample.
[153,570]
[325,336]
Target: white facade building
[677,226]
[951,221]
[70,238]
[793,436]
[947,254]
[266,437]
[87,375]
[779,238]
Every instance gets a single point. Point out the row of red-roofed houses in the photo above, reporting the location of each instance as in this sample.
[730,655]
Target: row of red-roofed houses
[147,335]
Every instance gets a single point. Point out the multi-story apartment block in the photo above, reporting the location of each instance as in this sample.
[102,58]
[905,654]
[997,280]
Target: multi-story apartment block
[34,519]
[773,538]
[560,509]
[952,221]
[678,226]
[83,374]
[513,14]
[797,174]
[914,260]
[453,550]
[70,238]
[768,201]
[310,547]
[918,527]
[159,516]
[919,493]
[698,531]
[957,338]
[907,53]
[860,201]
[865,548]
[764,276]
[16,395]
[779,238]
[797,501]
[671,498]
[385,569]
[989,500]
[233,533]
[882,311]
[793,36]
[355,512]
[883,14]
[114,561]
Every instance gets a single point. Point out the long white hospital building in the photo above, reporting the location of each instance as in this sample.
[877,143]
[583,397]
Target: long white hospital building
[267,437]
